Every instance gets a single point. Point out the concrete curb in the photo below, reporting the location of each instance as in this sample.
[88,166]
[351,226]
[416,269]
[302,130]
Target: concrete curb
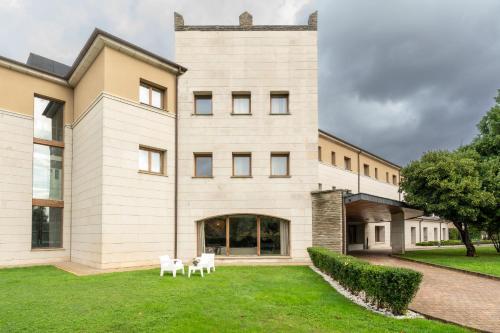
[487,276]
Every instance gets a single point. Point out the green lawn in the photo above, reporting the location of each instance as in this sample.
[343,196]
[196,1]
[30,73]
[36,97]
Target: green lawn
[487,260]
[234,299]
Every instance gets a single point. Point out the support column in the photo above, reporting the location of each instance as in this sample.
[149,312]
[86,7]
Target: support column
[398,233]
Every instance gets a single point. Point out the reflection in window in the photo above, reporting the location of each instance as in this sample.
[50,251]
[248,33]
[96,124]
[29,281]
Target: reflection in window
[243,235]
[213,236]
[203,165]
[242,165]
[151,95]
[273,233]
[241,103]
[47,172]
[48,119]
[46,227]
[203,104]
[151,160]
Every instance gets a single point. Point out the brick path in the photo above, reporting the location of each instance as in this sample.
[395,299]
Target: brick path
[464,299]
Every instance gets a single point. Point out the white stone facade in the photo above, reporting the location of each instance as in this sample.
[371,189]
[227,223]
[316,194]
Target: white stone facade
[258,62]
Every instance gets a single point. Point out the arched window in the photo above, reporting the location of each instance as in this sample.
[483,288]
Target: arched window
[244,235]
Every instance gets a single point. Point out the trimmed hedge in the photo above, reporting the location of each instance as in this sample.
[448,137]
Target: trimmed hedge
[452,242]
[386,287]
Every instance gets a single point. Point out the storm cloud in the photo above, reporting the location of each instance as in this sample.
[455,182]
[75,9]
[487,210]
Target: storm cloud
[396,77]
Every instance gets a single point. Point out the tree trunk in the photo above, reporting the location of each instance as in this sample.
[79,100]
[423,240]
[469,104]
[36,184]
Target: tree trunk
[464,234]
[495,238]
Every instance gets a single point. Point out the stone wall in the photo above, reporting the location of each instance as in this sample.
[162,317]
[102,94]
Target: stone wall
[328,217]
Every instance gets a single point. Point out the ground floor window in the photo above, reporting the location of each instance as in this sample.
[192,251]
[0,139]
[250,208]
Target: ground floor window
[413,235]
[244,235]
[46,227]
[379,234]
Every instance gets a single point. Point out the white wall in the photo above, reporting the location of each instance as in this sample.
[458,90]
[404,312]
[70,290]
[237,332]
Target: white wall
[138,209]
[16,167]
[87,188]
[260,62]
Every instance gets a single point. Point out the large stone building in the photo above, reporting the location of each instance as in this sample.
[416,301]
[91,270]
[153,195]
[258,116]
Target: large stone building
[125,155]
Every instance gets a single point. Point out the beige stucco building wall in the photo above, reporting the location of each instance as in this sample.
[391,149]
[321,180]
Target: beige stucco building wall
[259,62]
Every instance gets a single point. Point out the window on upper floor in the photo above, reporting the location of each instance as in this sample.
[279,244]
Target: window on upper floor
[280,164]
[387,176]
[376,173]
[203,103]
[319,154]
[48,119]
[242,165]
[203,165]
[241,103]
[151,95]
[347,163]
[279,103]
[151,160]
[334,159]
[366,170]
[394,179]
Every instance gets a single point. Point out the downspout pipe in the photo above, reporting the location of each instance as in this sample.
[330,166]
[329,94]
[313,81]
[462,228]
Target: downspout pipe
[359,174]
[176,156]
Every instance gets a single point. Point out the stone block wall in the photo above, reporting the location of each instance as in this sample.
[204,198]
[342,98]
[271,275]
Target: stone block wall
[328,220]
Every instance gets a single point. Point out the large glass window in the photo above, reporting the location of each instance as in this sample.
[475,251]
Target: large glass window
[47,172]
[48,147]
[279,103]
[280,166]
[203,103]
[46,227]
[151,95]
[241,103]
[203,165]
[244,235]
[48,119]
[242,165]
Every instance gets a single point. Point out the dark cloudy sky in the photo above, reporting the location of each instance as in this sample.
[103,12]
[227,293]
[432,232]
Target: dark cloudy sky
[397,77]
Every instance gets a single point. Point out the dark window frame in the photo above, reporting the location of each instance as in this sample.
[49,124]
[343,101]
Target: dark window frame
[154,87]
[196,156]
[150,150]
[242,95]
[203,95]
[280,154]
[240,154]
[279,94]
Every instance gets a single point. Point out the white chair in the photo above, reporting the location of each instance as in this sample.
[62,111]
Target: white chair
[170,265]
[207,260]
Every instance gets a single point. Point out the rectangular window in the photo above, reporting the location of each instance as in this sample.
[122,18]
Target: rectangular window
[436,236]
[376,173]
[379,234]
[387,176]
[320,186]
[366,170]
[241,103]
[426,234]
[151,160]
[47,172]
[394,179]
[413,235]
[279,103]
[151,95]
[242,165]
[347,163]
[203,103]
[48,120]
[203,165]
[47,179]
[334,159]
[280,164]
[443,236]
[319,154]
[46,227]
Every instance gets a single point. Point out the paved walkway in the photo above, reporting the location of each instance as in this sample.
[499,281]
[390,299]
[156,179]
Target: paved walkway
[464,299]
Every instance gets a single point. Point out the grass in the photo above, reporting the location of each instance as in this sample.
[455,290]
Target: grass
[487,260]
[234,299]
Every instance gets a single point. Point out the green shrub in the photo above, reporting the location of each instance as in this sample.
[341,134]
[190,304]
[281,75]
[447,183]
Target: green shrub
[387,287]
[453,234]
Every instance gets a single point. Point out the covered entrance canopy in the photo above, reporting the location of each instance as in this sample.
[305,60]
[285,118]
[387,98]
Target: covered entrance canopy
[364,208]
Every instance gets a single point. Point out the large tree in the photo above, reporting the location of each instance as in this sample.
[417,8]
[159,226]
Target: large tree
[487,145]
[448,184]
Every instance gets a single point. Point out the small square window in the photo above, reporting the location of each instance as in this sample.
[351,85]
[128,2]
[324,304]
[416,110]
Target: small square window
[241,103]
[347,163]
[242,165]
[279,103]
[151,160]
[203,103]
[203,165]
[150,95]
[280,164]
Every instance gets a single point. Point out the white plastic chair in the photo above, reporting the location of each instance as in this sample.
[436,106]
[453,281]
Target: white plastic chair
[207,260]
[170,265]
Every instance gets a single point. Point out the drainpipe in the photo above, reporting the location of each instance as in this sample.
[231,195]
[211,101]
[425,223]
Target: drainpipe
[176,160]
[399,182]
[359,175]
[420,231]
